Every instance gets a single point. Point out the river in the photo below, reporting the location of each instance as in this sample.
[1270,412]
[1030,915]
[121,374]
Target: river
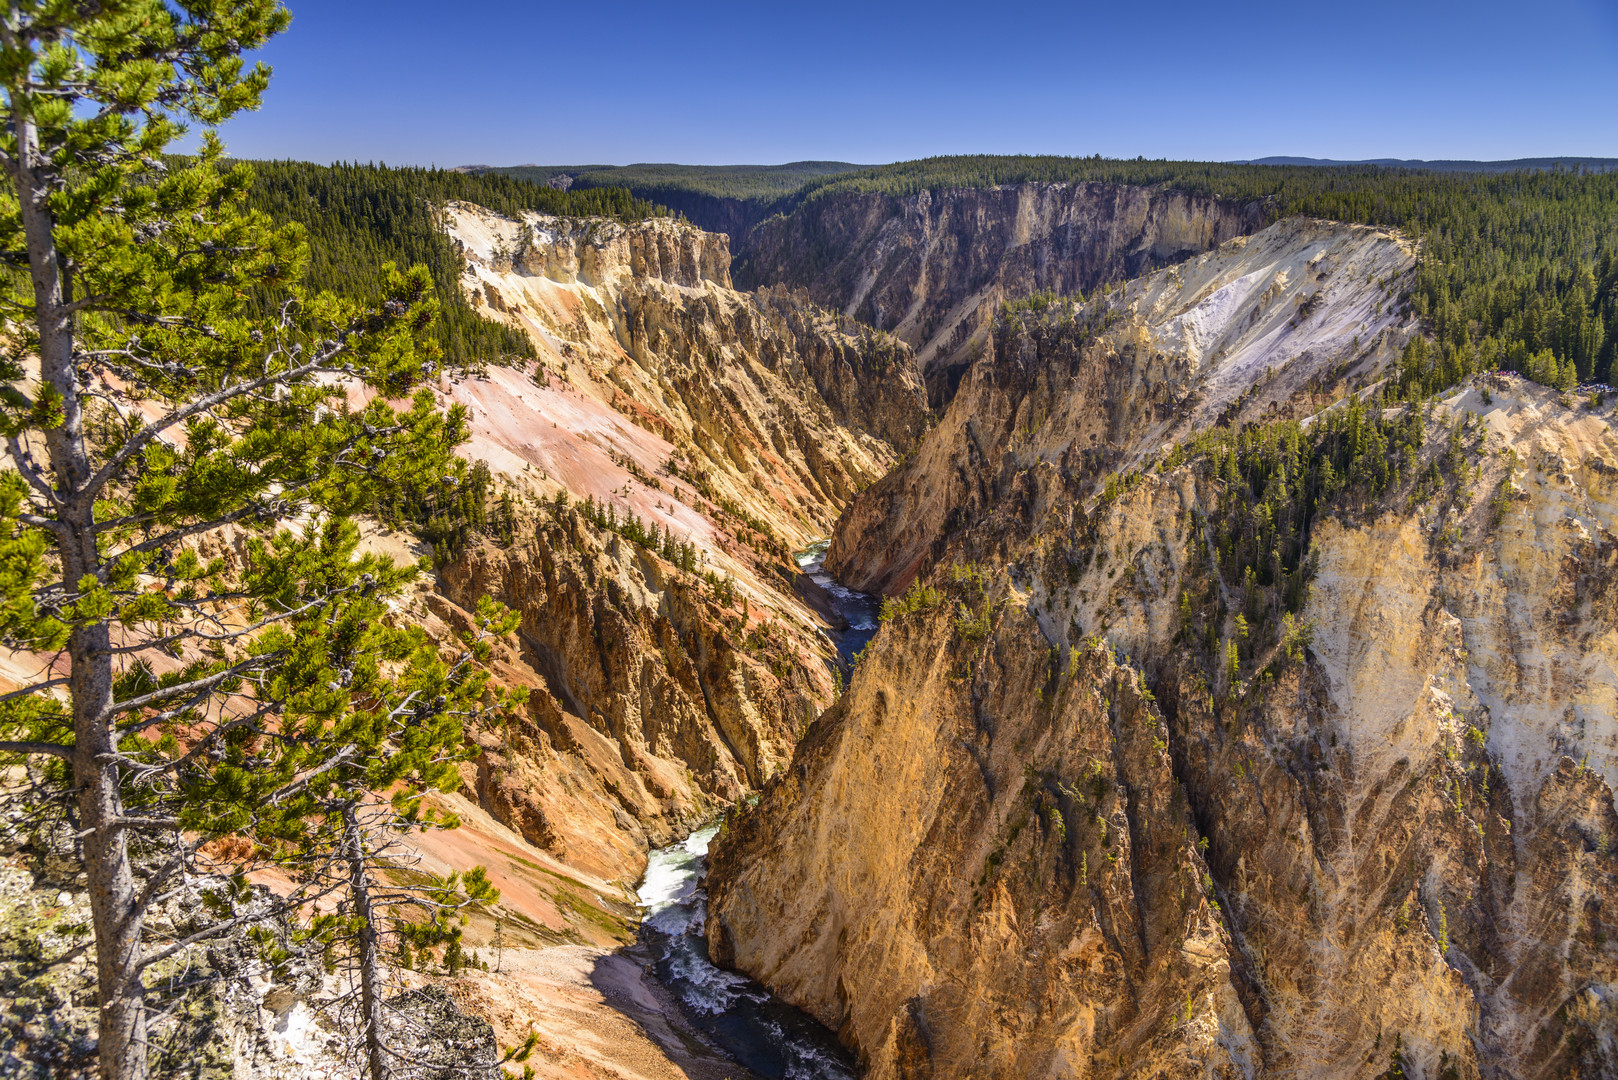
[767,1036]
[861,611]
[770,1037]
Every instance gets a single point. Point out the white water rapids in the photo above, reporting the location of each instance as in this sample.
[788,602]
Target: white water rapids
[766,1036]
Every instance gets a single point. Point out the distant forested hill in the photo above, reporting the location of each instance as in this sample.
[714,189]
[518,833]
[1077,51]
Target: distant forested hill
[361,216]
[767,182]
[728,199]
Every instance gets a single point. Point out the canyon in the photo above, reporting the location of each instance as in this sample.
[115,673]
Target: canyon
[1042,832]
[735,426]
[674,444]
[1225,718]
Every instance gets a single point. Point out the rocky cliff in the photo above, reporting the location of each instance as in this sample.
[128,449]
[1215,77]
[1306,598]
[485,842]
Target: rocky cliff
[647,356]
[934,267]
[671,699]
[1227,727]
[732,217]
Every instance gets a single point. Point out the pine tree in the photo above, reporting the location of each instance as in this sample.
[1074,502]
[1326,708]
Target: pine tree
[360,733]
[187,384]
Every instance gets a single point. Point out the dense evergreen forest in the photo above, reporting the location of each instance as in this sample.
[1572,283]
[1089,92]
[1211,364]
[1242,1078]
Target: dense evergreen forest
[1453,164]
[1519,270]
[361,216]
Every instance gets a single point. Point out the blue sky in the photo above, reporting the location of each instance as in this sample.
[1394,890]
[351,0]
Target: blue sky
[508,83]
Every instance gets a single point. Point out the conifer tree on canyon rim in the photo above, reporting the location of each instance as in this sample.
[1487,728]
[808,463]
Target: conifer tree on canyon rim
[169,384]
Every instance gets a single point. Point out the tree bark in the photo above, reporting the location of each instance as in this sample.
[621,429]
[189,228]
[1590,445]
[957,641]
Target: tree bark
[370,965]
[114,905]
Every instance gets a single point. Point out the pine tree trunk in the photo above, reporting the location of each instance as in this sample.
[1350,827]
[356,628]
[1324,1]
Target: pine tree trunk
[370,966]
[113,901]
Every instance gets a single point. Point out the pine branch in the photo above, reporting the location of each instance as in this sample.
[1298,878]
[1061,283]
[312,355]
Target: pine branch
[145,771]
[191,634]
[142,438]
[289,904]
[53,749]
[342,757]
[199,688]
[23,462]
[33,688]
[129,823]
